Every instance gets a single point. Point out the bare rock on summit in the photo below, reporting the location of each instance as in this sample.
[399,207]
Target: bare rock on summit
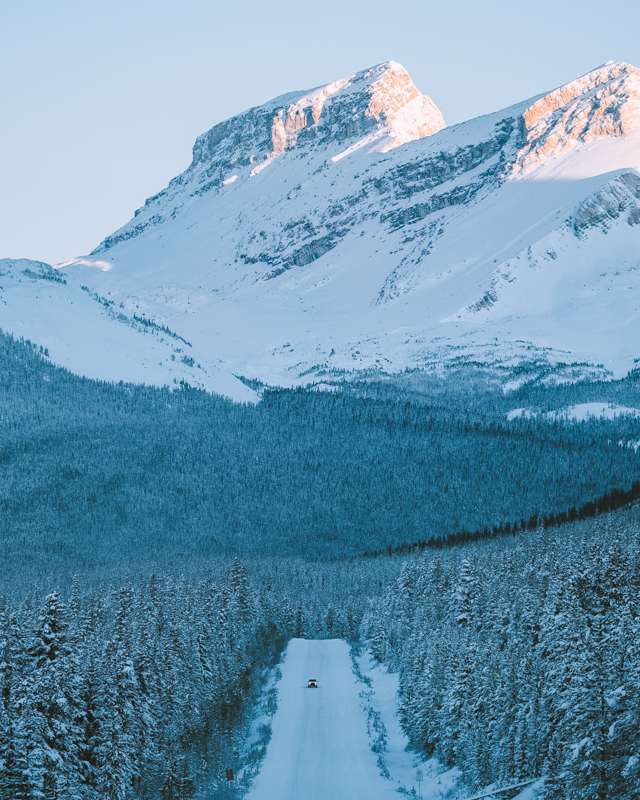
[375,110]
[605,102]
[380,106]
[350,223]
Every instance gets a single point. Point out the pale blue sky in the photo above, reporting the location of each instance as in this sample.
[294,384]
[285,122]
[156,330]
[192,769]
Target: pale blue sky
[100,102]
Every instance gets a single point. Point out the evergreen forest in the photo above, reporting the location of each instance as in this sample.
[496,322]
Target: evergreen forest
[160,546]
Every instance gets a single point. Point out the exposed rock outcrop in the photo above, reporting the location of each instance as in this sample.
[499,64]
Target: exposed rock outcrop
[380,105]
[605,102]
[619,196]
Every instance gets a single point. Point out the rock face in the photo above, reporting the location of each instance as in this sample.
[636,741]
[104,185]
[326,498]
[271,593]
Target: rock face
[380,105]
[350,224]
[605,102]
[376,110]
[603,208]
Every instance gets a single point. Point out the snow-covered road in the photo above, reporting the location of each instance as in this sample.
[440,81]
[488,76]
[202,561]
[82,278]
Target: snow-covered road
[320,748]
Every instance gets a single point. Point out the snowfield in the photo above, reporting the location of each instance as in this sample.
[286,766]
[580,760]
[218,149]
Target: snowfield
[92,336]
[578,413]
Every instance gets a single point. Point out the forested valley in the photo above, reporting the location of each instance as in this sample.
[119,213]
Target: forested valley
[160,547]
[101,479]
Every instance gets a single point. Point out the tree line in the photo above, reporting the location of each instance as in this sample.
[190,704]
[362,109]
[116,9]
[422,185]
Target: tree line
[610,501]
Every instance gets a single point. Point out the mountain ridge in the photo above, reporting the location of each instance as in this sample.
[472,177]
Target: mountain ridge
[344,229]
[379,109]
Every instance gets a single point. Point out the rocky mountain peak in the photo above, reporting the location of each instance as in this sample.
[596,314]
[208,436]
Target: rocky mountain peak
[604,102]
[430,254]
[379,107]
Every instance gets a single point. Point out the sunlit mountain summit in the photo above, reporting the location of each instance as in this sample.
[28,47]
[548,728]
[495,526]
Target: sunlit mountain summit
[346,229]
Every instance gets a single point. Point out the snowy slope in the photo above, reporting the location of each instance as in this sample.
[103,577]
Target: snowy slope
[91,337]
[345,228]
[578,413]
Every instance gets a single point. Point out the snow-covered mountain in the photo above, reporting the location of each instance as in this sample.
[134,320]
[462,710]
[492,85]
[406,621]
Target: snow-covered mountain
[345,228]
[91,336]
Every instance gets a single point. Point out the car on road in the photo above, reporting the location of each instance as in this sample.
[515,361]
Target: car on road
[312,684]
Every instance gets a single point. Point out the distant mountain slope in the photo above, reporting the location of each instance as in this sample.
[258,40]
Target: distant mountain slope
[345,228]
[90,335]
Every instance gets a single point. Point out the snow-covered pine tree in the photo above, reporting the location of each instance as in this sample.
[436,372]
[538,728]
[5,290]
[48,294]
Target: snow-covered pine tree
[52,725]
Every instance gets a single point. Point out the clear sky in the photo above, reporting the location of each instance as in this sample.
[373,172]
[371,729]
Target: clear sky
[100,102]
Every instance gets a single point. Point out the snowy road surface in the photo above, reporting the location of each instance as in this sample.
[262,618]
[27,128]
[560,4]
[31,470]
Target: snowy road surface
[320,748]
